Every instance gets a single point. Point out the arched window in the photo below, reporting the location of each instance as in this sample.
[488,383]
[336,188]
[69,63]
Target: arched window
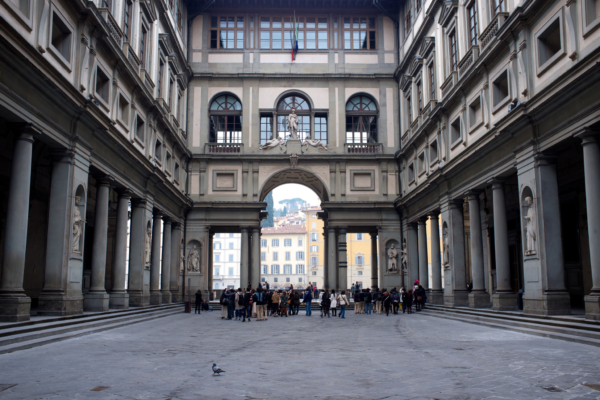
[225,120]
[302,109]
[361,120]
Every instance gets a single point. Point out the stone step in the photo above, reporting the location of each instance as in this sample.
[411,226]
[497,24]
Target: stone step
[30,340]
[545,330]
[564,321]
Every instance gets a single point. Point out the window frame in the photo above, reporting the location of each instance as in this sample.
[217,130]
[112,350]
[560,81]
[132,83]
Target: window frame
[457,119]
[213,133]
[66,63]
[363,115]
[497,7]
[301,31]
[352,30]
[507,98]
[591,26]
[452,50]
[236,30]
[472,23]
[542,68]
[471,111]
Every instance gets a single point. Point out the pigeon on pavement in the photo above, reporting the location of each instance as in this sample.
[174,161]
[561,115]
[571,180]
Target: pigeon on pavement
[216,369]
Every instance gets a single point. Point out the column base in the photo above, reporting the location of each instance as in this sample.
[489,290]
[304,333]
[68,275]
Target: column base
[138,300]
[14,309]
[458,299]
[504,302]
[155,298]
[166,297]
[119,301]
[435,297]
[479,300]
[176,297]
[548,304]
[96,301]
[592,307]
[59,304]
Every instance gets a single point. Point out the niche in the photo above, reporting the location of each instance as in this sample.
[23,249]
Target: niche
[529,221]
[78,221]
[194,256]
[392,252]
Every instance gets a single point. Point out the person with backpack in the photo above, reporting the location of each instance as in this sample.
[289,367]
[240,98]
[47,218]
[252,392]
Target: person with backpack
[395,296]
[239,304]
[368,302]
[307,301]
[199,302]
[223,302]
[343,300]
[261,301]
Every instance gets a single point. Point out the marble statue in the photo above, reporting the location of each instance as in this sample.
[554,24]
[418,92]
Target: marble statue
[273,142]
[446,244]
[530,229]
[404,257]
[292,121]
[78,222]
[194,260]
[317,144]
[148,241]
[392,259]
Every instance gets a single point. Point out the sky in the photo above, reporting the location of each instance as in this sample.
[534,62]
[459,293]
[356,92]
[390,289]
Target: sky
[293,190]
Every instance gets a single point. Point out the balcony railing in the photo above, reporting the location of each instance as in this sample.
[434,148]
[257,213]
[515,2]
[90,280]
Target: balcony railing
[449,83]
[113,27]
[468,60]
[220,148]
[363,148]
[489,33]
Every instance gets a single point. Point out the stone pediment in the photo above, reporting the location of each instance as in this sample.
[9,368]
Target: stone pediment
[405,82]
[448,11]
[415,65]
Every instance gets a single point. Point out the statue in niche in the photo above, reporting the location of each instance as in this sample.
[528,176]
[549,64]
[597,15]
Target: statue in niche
[292,121]
[78,222]
[446,243]
[530,229]
[404,257]
[317,144]
[148,241]
[392,259]
[194,260]
[273,142]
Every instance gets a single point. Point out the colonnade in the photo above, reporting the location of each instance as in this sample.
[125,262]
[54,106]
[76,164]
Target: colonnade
[62,292]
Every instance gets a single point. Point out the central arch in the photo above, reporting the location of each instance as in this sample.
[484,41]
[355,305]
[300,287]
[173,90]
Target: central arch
[298,176]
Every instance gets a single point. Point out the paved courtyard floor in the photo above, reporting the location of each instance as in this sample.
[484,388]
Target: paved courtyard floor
[362,357]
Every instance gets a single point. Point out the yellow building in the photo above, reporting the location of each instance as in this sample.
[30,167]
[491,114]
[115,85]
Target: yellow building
[283,257]
[358,247]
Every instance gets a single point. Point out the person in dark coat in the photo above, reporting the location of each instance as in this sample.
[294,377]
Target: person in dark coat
[409,301]
[230,304]
[325,303]
[308,301]
[199,302]
[246,311]
[387,303]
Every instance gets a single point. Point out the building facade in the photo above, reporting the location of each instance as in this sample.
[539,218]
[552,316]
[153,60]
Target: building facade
[283,257]
[226,261]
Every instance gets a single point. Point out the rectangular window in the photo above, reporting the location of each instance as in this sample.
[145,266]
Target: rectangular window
[161,68]
[417,6]
[335,33]
[498,7]
[217,270]
[225,129]
[452,50]
[287,242]
[278,33]
[360,260]
[217,257]
[359,236]
[217,245]
[300,279]
[287,279]
[300,241]
[287,269]
[265,269]
[321,129]
[361,129]
[275,242]
[360,33]
[127,13]
[170,91]
[227,32]
[288,256]
[420,96]
[300,268]
[230,271]
[472,10]
[140,129]
[431,69]
[143,41]
[251,38]
[314,237]
[263,242]
[275,269]
[275,256]
[266,129]
[314,272]
[299,256]
[314,261]
[231,246]
[123,110]
[102,84]
[314,249]
[359,272]
[409,108]
[263,256]
[407,18]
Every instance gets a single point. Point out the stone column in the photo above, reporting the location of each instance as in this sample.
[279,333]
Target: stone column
[423,262]
[175,270]
[14,303]
[412,248]
[139,274]
[165,286]
[332,259]
[342,260]
[436,295]
[53,298]
[119,298]
[374,261]
[504,299]
[155,295]
[255,269]
[97,299]
[244,264]
[591,165]
[209,262]
[478,298]
[455,287]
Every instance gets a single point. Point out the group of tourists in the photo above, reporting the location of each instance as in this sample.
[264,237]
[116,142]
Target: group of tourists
[261,303]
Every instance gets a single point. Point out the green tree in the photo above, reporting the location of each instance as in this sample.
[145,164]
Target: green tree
[268,222]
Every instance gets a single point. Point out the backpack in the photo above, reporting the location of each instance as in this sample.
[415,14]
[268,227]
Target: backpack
[240,299]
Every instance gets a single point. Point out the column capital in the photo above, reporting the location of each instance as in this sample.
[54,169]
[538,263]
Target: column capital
[167,220]
[422,220]
[545,159]
[473,194]
[125,193]
[434,214]
[588,135]
[103,179]
[342,229]
[497,183]
[373,235]
[244,228]
[457,203]
[157,214]
[139,203]
[26,131]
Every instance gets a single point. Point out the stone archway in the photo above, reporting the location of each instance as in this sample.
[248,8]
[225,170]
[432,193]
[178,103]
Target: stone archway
[298,176]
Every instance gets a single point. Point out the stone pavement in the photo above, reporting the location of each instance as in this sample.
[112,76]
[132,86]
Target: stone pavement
[362,357]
